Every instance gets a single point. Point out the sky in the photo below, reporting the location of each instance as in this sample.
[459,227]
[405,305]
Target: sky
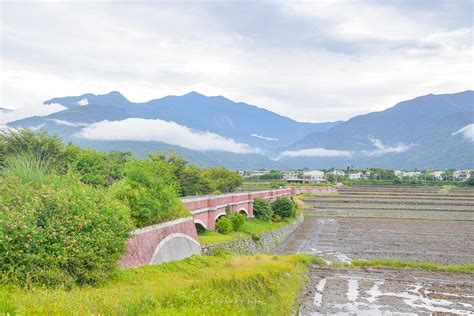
[311,61]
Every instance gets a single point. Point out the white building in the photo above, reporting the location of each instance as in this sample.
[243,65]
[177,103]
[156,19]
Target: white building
[408,174]
[314,176]
[438,175]
[462,175]
[338,173]
[290,175]
[355,176]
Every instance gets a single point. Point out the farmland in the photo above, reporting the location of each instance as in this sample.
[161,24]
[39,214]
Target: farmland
[394,227]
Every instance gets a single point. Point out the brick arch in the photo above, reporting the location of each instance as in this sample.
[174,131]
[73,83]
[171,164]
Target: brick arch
[223,213]
[175,246]
[244,210]
[198,221]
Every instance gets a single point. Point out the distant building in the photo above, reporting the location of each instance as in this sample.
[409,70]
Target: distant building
[289,175]
[314,176]
[355,176]
[438,175]
[338,173]
[408,174]
[462,175]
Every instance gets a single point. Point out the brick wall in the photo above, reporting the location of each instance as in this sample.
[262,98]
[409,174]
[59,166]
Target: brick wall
[143,242]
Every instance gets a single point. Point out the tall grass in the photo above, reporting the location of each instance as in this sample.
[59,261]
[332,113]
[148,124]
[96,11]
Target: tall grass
[199,285]
[27,166]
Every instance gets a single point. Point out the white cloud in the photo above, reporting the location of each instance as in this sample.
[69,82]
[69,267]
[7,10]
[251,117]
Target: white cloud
[136,129]
[83,102]
[67,123]
[317,152]
[467,132]
[302,57]
[263,137]
[29,111]
[382,149]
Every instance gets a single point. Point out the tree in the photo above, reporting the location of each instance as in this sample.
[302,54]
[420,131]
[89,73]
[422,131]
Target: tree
[149,188]
[262,209]
[222,179]
[193,182]
[330,177]
[283,207]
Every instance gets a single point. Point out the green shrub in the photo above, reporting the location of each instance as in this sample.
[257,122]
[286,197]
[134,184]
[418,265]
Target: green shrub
[238,220]
[149,188]
[262,209]
[224,225]
[283,207]
[58,231]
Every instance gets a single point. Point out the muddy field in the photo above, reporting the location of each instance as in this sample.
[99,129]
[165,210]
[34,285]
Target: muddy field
[387,291]
[424,224]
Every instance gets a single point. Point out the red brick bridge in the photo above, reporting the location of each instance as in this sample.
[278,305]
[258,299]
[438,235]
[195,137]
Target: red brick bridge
[177,239]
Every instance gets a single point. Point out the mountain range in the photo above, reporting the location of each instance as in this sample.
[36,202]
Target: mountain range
[428,131]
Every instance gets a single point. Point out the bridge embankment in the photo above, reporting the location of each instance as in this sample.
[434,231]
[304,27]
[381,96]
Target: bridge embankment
[177,239]
[266,242]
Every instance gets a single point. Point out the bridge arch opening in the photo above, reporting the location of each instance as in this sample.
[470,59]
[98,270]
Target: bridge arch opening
[200,226]
[220,215]
[175,246]
[244,212]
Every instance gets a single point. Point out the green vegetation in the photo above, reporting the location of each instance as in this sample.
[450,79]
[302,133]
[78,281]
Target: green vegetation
[283,207]
[57,231]
[237,226]
[149,190]
[262,209]
[207,237]
[97,168]
[224,225]
[66,212]
[406,264]
[249,228]
[199,285]
[238,220]
[254,227]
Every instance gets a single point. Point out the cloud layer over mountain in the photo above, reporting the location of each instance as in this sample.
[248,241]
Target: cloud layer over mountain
[145,130]
[467,132]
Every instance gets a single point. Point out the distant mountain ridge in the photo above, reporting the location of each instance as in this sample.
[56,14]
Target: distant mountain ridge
[428,131]
[413,133]
[239,121]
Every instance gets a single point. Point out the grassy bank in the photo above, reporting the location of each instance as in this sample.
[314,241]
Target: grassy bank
[199,285]
[406,264]
[249,228]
